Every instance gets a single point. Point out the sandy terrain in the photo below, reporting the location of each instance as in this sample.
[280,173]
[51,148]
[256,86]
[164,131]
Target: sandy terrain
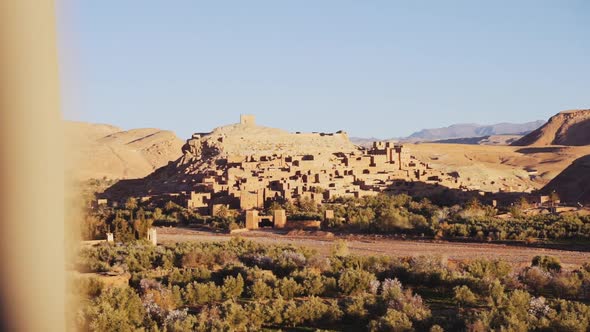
[503,165]
[373,245]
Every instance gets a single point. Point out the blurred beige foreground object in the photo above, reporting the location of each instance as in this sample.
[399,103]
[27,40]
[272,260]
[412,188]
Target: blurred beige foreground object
[31,170]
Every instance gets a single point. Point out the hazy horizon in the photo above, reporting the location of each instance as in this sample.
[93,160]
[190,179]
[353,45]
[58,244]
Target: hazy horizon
[375,70]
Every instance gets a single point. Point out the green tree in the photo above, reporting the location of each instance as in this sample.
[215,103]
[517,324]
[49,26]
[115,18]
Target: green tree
[464,296]
[392,321]
[233,287]
[131,204]
[260,290]
[354,282]
[548,263]
[122,230]
[116,309]
[571,316]
[496,290]
[288,288]
[340,248]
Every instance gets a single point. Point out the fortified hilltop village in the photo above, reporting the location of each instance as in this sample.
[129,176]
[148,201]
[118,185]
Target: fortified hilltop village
[274,168]
[245,167]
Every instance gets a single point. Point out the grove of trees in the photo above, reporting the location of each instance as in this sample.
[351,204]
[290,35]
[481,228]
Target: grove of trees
[383,214]
[240,285]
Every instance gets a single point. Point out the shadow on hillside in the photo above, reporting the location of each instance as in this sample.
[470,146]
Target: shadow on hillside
[544,149]
[165,180]
[445,196]
[578,134]
[171,180]
[573,183]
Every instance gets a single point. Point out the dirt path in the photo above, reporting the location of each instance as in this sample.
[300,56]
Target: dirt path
[384,246]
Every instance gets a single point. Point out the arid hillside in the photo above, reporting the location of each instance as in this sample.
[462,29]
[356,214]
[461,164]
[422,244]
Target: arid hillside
[98,150]
[480,167]
[103,150]
[494,167]
[573,184]
[248,140]
[562,132]
[566,128]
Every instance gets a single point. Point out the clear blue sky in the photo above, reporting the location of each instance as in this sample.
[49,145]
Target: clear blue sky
[372,68]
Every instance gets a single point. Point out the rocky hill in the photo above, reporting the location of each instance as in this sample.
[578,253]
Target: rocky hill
[573,184]
[206,152]
[254,140]
[566,128]
[185,167]
[98,150]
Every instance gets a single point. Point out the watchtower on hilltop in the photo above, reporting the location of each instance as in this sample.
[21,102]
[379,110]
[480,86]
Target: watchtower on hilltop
[247,119]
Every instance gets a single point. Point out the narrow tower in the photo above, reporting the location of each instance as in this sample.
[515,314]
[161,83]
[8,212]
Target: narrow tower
[247,120]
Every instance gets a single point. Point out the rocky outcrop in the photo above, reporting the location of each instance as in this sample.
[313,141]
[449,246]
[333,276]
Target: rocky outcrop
[199,148]
[566,128]
[252,140]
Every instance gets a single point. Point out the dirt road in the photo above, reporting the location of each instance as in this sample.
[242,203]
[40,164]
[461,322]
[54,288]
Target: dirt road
[371,245]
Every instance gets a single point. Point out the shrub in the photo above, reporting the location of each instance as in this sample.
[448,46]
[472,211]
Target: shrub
[496,291]
[464,295]
[340,248]
[232,287]
[312,283]
[390,220]
[314,310]
[202,293]
[571,316]
[116,309]
[351,280]
[87,287]
[288,288]
[566,285]
[260,290]
[392,321]
[357,307]
[179,321]
[535,278]
[488,269]
[548,263]
[395,297]
[354,282]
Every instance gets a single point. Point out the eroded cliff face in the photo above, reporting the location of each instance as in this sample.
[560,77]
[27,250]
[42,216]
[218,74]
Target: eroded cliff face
[566,128]
[200,148]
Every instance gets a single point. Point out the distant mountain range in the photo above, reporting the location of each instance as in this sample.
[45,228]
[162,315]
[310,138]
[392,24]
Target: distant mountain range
[465,130]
